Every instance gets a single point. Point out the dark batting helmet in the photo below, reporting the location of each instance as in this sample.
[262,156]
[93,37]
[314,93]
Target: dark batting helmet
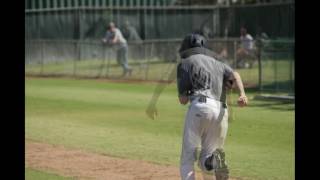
[191,41]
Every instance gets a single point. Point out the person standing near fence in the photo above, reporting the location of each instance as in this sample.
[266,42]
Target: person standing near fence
[114,37]
[246,50]
[203,81]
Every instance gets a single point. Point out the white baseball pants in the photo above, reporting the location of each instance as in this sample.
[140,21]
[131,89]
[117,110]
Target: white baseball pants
[203,127]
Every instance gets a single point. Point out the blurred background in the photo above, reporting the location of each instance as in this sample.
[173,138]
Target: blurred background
[63,37]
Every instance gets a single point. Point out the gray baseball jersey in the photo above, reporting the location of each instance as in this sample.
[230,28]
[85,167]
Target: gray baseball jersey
[200,74]
[121,40]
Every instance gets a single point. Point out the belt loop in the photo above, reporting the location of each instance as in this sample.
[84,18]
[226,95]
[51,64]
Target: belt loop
[202,99]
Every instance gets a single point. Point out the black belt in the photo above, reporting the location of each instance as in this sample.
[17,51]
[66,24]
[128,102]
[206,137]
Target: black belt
[202,99]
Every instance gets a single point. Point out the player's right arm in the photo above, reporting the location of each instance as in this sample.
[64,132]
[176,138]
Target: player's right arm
[242,100]
[231,77]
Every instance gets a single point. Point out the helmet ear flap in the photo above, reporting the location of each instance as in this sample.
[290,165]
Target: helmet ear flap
[192,40]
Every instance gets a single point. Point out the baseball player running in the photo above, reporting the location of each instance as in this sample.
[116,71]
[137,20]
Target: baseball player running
[203,81]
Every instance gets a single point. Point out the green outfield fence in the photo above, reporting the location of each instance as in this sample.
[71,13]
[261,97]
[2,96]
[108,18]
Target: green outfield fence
[87,20]
[278,73]
[155,60]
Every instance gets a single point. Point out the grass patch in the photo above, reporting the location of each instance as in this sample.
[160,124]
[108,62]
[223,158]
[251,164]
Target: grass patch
[31,174]
[110,118]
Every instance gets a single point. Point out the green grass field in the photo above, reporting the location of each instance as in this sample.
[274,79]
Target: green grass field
[31,174]
[109,118]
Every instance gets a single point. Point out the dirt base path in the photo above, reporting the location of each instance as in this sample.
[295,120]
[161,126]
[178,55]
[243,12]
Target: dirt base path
[85,165]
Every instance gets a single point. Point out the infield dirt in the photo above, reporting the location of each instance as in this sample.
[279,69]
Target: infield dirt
[85,165]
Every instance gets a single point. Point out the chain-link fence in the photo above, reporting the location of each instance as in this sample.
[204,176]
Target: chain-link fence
[156,59]
[160,22]
[93,59]
[278,67]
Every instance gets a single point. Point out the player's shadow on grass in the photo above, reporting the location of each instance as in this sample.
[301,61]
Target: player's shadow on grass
[280,85]
[274,105]
[281,105]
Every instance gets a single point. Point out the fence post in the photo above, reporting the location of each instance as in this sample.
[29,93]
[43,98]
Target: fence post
[55,4]
[108,64]
[260,68]
[48,4]
[78,51]
[148,59]
[41,56]
[235,54]
[291,69]
[102,63]
[40,4]
[276,71]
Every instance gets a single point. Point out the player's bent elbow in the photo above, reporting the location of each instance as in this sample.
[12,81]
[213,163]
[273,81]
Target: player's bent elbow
[236,74]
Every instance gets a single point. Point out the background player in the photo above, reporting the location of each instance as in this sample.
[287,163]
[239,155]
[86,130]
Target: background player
[115,37]
[246,50]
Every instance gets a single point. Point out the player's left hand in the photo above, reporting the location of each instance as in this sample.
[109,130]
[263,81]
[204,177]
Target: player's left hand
[152,111]
[242,101]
